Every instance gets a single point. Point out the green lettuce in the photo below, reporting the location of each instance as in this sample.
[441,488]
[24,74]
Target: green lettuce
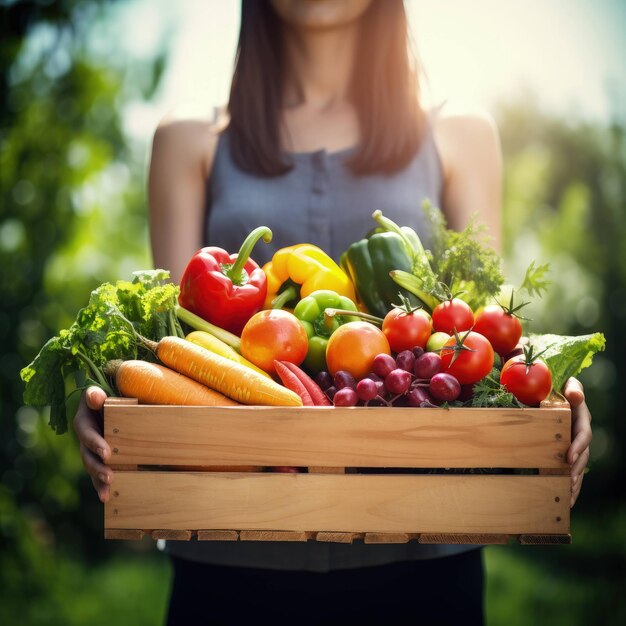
[104,330]
[567,356]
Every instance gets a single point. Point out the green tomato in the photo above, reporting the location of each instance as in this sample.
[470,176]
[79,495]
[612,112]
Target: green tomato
[436,341]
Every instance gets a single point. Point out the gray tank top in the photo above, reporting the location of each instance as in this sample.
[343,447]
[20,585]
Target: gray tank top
[320,202]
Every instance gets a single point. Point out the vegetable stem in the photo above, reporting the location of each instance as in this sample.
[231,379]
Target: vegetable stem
[328,313]
[198,323]
[235,272]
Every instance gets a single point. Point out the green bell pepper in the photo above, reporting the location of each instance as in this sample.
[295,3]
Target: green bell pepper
[310,312]
[368,263]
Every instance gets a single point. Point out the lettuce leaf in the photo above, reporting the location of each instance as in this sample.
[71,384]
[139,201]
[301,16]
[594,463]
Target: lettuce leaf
[105,329]
[567,356]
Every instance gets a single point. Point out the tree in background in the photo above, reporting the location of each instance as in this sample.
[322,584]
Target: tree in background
[73,216]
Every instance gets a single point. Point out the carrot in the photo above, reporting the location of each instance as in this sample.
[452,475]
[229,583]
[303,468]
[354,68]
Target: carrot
[212,343]
[315,391]
[291,381]
[198,323]
[151,383]
[232,379]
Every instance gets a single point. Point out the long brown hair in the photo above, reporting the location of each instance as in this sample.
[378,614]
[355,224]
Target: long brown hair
[384,91]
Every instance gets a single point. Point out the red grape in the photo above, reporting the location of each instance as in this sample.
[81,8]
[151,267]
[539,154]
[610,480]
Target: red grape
[324,380]
[367,389]
[383,364]
[345,397]
[417,396]
[330,392]
[428,365]
[344,379]
[405,360]
[418,351]
[398,381]
[444,387]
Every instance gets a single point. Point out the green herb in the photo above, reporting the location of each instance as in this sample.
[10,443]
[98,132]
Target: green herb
[488,392]
[464,261]
[534,280]
[105,329]
[567,356]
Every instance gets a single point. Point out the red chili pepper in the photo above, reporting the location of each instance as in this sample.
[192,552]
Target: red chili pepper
[225,289]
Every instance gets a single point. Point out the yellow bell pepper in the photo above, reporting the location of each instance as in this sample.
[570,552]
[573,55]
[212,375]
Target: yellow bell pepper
[296,271]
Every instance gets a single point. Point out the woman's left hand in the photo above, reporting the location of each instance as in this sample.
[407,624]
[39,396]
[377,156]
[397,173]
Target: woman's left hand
[578,453]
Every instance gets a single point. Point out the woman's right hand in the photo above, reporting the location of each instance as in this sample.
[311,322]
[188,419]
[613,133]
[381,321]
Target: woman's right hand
[94,450]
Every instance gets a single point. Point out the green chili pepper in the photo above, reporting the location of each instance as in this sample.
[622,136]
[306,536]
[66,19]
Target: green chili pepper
[310,312]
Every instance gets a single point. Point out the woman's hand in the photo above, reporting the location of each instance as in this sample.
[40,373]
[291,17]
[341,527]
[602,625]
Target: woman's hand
[578,453]
[94,450]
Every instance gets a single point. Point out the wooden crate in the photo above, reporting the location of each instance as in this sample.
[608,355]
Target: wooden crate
[167,484]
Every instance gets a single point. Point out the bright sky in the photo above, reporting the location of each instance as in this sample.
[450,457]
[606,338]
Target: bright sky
[571,54]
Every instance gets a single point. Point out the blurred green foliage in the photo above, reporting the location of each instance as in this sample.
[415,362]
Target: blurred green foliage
[73,215]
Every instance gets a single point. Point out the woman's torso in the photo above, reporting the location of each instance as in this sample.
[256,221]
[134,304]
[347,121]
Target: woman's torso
[320,202]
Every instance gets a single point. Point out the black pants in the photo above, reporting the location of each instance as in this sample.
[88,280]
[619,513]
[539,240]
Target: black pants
[445,591]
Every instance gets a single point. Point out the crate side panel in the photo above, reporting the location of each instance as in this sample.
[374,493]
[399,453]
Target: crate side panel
[338,437]
[340,503]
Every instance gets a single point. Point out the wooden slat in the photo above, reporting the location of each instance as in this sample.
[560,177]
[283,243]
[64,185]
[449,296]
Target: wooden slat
[173,535]
[338,436]
[332,537]
[274,535]
[386,538]
[128,534]
[545,540]
[475,538]
[218,535]
[447,504]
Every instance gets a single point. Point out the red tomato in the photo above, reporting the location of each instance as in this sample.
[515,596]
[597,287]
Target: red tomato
[501,328]
[273,334]
[452,315]
[353,347]
[530,383]
[405,331]
[474,357]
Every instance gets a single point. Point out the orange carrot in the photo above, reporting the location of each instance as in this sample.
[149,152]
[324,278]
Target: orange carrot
[318,397]
[151,383]
[228,377]
[291,381]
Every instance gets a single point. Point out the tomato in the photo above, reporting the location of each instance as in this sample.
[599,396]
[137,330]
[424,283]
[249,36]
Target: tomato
[405,330]
[503,329]
[529,382]
[352,348]
[452,315]
[273,334]
[474,357]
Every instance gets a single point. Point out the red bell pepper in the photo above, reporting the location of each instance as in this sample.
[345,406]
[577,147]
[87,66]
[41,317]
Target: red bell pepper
[225,289]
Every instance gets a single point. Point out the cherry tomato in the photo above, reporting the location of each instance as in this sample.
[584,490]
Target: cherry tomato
[501,328]
[530,383]
[273,334]
[353,348]
[404,330]
[452,315]
[474,357]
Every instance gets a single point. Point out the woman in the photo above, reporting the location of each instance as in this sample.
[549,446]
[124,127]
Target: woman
[324,125]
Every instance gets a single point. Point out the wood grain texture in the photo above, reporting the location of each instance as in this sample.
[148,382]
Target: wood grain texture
[464,538]
[173,535]
[274,535]
[386,538]
[446,504]
[333,537]
[545,540]
[129,534]
[338,437]
[218,535]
